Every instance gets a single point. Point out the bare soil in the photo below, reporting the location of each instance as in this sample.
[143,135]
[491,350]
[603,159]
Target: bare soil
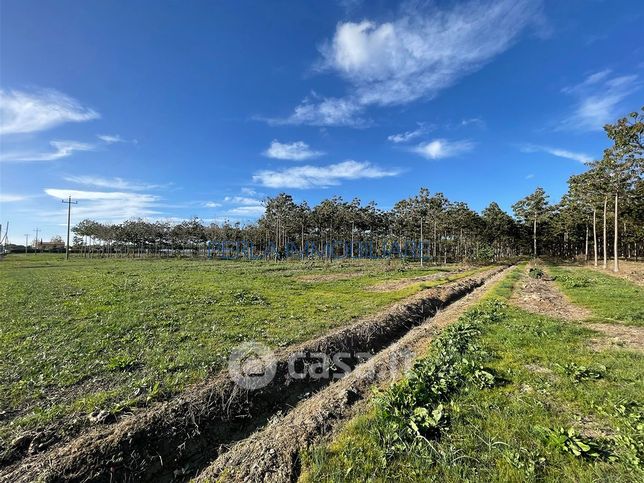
[172,440]
[631,271]
[328,277]
[617,336]
[392,285]
[541,296]
[272,454]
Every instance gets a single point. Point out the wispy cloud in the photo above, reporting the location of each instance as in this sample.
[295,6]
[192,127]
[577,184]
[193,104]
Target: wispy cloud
[62,149]
[212,204]
[407,136]
[9,198]
[320,176]
[111,138]
[473,121]
[423,51]
[244,206]
[442,148]
[108,206]
[561,153]
[328,111]
[599,100]
[25,112]
[112,183]
[247,211]
[296,151]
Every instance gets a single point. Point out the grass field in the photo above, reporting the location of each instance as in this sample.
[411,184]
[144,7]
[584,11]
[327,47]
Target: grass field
[528,399]
[107,334]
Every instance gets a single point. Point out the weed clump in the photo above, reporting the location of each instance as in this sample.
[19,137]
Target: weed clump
[569,441]
[536,272]
[414,409]
[582,373]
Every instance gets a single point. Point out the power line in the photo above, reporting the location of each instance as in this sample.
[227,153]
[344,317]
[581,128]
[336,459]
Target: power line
[69,218]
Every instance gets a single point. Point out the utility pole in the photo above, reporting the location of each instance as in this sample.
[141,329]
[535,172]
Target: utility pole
[26,242]
[69,219]
[36,245]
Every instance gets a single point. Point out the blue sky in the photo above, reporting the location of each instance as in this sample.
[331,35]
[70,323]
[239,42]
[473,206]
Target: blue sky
[169,109]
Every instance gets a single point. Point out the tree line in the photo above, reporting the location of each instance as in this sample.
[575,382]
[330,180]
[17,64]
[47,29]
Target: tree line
[600,217]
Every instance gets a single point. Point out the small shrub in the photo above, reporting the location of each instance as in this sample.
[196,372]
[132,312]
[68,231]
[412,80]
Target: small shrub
[536,272]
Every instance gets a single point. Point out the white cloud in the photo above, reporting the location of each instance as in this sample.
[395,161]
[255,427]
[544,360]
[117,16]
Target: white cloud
[247,211]
[476,121]
[330,111]
[442,148]
[416,55]
[8,198]
[112,183]
[296,151]
[599,100]
[561,153]
[62,150]
[212,204]
[320,176]
[244,206]
[529,176]
[410,135]
[24,112]
[110,138]
[107,206]
[242,200]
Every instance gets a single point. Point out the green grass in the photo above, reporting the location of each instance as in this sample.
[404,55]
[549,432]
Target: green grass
[552,383]
[611,299]
[94,334]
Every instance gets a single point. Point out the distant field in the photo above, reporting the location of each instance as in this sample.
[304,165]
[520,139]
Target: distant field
[92,334]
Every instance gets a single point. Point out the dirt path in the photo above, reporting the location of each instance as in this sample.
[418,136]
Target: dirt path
[541,296]
[172,440]
[617,336]
[272,454]
[631,271]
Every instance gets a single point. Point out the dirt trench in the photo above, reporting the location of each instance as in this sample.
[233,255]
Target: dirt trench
[173,440]
[273,453]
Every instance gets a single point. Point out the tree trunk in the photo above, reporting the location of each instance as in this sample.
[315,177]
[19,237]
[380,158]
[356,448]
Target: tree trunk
[616,242]
[604,240]
[534,238]
[595,233]
[586,249]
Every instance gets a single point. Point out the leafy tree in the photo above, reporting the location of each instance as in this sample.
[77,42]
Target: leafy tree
[532,209]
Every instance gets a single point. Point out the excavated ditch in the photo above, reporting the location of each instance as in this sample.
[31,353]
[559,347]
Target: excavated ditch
[175,440]
[272,454]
